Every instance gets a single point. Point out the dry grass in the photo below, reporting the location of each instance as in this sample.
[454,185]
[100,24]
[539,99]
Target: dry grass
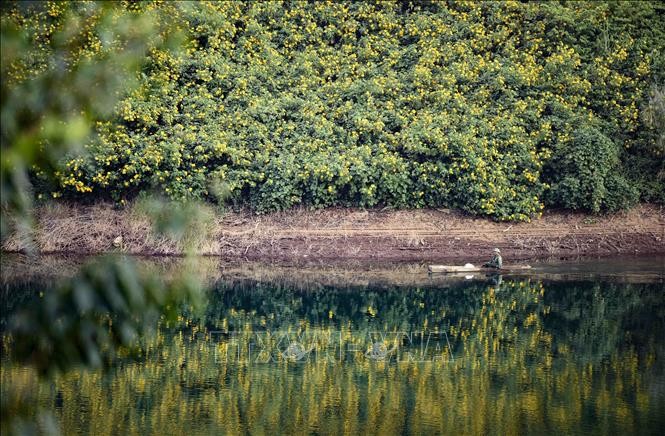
[342,233]
[65,228]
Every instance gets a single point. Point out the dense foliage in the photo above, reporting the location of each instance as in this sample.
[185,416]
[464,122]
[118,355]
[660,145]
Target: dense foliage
[495,108]
[57,79]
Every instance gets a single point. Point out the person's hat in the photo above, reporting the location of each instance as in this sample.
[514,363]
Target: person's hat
[497,250]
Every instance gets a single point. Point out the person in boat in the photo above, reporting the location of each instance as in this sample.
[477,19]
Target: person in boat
[495,261]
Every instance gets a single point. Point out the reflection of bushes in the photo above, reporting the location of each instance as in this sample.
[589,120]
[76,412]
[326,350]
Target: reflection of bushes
[18,296]
[592,321]
[87,319]
[521,362]
[476,314]
[359,307]
[587,318]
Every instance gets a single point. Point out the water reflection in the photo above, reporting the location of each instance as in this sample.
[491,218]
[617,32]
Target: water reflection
[473,357]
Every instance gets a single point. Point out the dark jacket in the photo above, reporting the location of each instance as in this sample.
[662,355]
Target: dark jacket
[495,262]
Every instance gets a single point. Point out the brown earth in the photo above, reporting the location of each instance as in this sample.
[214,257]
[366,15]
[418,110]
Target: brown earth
[303,235]
[441,234]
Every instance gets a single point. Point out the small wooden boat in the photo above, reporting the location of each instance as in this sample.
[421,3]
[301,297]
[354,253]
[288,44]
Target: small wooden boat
[472,268]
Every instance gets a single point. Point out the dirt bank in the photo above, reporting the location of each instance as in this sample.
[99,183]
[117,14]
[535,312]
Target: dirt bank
[27,271]
[353,234]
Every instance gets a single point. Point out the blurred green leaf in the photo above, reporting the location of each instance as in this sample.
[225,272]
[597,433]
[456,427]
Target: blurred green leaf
[91,316]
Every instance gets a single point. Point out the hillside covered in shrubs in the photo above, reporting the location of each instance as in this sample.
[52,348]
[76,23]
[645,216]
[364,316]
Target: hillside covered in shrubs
[499,109]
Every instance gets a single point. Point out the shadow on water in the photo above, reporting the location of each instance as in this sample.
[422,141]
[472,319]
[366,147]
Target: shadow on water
[341,350]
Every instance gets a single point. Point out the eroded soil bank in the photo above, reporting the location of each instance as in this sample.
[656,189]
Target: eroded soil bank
[352,234]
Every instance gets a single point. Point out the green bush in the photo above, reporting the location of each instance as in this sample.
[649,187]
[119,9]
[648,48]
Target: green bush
[401,104]
[585,173]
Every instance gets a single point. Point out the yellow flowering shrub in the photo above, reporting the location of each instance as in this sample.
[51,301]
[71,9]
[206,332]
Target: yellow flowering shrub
[470,105]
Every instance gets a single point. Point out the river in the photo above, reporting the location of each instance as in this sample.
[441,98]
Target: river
[570,348]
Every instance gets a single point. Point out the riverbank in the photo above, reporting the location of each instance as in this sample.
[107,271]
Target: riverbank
[26,270]
[351,234]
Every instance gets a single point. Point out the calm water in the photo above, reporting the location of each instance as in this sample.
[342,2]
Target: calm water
[516,355]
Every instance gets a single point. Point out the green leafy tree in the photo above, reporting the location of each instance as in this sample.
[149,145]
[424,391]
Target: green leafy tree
[64,67]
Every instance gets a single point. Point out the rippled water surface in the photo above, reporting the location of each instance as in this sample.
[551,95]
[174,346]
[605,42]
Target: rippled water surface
[560,352]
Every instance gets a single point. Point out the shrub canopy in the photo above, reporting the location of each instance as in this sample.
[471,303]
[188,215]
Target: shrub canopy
[495,108]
